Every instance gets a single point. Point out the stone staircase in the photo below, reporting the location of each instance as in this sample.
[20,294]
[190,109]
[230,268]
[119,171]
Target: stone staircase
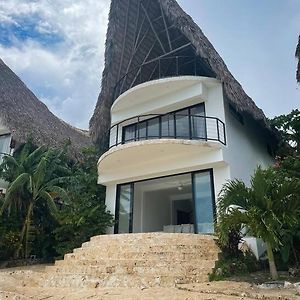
[136,260]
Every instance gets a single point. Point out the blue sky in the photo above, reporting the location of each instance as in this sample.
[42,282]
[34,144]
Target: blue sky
[57,48]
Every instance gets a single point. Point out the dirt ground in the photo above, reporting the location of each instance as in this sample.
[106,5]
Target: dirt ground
[23,283]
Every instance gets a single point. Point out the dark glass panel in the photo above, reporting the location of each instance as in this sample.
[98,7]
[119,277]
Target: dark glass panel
[198,122]
[125,198]
[167,125]
[153,128]
[142,130]
[182,123]
[129,133]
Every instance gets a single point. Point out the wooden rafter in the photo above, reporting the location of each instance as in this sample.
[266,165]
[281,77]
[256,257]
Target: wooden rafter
[124,40]
[141,26]
[152,28]
[166,27]
[145,59]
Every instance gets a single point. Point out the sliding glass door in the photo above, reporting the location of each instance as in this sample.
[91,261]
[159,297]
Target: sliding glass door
[204,202]
[124,208]
[155,194]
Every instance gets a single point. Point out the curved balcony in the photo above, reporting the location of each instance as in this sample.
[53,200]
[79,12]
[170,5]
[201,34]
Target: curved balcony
[159,145]
[176,125]
[159,68]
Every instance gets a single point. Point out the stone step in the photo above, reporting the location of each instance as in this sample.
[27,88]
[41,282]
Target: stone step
[175,270]
[135,263]
[154,238]
[67,280]
[149,247]
[176,255]
[136,260]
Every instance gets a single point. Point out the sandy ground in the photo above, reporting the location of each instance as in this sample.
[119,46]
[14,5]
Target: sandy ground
[23,283]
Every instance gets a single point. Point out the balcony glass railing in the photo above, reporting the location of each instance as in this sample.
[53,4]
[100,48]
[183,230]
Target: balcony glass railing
[177,125]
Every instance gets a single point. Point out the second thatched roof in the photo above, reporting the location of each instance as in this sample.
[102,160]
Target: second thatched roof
[24,115]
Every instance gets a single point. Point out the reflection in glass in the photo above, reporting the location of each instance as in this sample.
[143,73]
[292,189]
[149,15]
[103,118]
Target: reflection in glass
[129,133]
[182,124]
[142,131]
[153,128]
[198,124]
[125,207]
[167,125]
[203,196]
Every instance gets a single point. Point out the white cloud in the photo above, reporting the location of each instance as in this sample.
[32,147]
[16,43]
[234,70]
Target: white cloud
[65,75]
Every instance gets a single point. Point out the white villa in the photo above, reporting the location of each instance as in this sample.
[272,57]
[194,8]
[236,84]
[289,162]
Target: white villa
[180,125]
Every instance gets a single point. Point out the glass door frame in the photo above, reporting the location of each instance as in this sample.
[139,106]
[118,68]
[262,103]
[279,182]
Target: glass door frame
[117,209]
[212,186]
[132,184]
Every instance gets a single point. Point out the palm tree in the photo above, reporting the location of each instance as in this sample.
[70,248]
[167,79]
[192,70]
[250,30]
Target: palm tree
[34,177]
[267,209]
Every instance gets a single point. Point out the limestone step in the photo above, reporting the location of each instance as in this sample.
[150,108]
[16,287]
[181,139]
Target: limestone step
[134,260]
[146,247]
[180,255]
[153,238]
[66,280]
[177,270]
[135,263]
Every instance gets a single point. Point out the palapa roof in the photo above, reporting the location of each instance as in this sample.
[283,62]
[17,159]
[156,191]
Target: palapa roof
[298,57]
[24,115]
[140,31]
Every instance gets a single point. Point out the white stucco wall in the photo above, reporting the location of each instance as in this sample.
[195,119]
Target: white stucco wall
[246,148]
[4,148]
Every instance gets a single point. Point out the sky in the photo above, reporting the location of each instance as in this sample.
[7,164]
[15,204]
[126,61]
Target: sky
[57,48]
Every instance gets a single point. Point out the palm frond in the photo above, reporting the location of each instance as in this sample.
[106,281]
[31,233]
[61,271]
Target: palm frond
[50,202]
[34,157]
[60,192]
[39,173]
[234,192]
[14,188]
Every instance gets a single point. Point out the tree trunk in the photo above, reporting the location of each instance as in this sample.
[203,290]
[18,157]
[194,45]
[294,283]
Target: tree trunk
[273,269]
[24,230]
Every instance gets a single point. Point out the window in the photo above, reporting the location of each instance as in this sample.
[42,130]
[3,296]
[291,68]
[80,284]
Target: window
[182,123]
[4,145]
[188,123]
[167,125]
[153,128]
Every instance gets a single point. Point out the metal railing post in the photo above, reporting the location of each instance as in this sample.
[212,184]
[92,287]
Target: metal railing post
[177,66]
[117,135]
[218,130]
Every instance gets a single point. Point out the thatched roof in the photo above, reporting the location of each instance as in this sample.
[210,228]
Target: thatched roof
[142,30]
[23,114]
[298,57]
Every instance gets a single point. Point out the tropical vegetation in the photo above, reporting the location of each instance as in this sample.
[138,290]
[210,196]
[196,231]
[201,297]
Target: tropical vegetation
[269,208]
[52,204]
